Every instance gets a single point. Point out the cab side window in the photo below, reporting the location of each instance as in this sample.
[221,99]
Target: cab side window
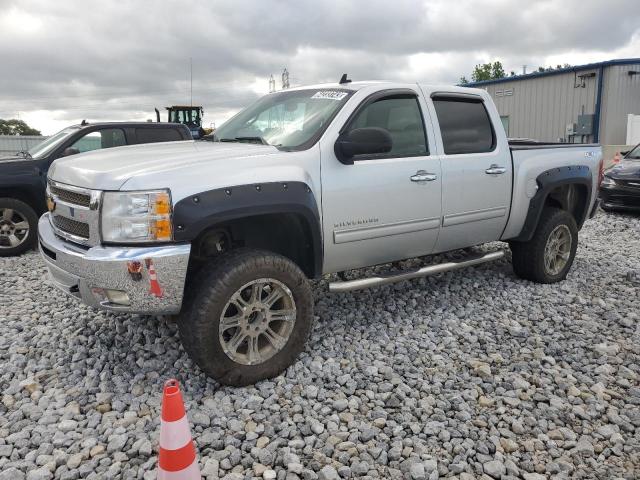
[111,137]
[465,126]
[154,135]
[401,116]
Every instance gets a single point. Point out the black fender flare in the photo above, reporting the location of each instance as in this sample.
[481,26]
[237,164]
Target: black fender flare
[548,181]
[198,212]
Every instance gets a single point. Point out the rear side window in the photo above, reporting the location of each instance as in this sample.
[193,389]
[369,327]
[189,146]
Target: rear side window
[465,126]
[153,135]
[402,118]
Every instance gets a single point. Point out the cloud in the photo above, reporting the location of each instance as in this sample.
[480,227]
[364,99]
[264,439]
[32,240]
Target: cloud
[65,61]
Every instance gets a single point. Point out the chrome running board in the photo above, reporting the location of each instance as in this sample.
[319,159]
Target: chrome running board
[359,284]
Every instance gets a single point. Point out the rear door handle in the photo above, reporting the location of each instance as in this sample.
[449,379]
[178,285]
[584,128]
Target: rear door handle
[423,176]
[495,170]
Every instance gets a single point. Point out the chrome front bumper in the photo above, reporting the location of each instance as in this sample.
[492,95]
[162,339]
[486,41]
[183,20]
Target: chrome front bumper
[153,278]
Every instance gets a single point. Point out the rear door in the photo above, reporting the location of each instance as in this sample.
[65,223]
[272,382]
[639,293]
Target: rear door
[383,207]
[476,170]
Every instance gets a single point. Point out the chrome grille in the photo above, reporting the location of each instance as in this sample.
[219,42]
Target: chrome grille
[70,196]
[630,183]
[74,212]
[72,227]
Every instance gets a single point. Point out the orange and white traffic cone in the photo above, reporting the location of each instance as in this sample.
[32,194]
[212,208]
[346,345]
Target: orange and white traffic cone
[154,285]
[177,459]
[617,158]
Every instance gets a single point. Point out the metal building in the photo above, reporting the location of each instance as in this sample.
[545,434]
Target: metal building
[584,103]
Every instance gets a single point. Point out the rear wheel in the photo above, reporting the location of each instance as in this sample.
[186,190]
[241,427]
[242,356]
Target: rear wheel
[548,256]
[18,227]
[248,317]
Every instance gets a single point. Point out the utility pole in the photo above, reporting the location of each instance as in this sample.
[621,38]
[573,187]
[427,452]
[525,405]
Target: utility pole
[285,79]
[272,84]
[191,72]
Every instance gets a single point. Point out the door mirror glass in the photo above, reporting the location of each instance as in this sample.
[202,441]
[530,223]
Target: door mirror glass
[362,141]
[70,151]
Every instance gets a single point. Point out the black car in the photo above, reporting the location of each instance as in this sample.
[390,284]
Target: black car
[620,188]
[23,176]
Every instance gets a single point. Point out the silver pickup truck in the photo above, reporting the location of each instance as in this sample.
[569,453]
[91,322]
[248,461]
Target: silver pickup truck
[307,182]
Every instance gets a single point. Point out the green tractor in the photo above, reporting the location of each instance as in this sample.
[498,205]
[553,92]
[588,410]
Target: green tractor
[188,115]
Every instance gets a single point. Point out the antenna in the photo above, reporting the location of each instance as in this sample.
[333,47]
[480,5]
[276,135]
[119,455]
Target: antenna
[344,79]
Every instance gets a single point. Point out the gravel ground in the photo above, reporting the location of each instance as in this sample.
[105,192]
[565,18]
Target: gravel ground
[473,374]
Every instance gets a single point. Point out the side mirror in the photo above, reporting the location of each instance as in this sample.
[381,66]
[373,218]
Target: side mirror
[362,141]
[624,154]
[70,151]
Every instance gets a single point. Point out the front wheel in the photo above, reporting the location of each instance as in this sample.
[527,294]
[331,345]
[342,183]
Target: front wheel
[18,227]
[548,256]
[248,317]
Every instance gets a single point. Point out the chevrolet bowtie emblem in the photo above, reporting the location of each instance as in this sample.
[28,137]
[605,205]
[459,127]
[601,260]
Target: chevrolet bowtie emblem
[51,204]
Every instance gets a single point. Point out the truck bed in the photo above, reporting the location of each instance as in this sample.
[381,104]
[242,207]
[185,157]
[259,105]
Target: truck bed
[530,159]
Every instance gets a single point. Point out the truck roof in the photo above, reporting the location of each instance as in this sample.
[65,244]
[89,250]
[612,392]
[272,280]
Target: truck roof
[129,124]
[355,86]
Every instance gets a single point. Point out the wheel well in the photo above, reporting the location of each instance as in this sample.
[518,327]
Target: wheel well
[288,234]
[26,196]
[573,197]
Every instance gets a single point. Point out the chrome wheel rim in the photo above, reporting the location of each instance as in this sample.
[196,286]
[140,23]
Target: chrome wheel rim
[257,321]
[14,228]
[557,250]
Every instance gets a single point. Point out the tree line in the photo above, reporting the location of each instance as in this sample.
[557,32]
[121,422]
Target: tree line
[495,70]
[16,127]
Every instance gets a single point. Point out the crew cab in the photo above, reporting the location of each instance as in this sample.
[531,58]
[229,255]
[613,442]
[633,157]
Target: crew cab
[23,175]
[307,182]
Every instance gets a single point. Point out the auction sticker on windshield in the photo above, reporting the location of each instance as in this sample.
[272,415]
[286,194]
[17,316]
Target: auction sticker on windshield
[330,95]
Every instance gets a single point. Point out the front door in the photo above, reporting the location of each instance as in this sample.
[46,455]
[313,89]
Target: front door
[384,207]
[476,173]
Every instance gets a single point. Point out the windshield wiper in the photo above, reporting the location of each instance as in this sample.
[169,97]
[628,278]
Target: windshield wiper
[24,154]
[245,139]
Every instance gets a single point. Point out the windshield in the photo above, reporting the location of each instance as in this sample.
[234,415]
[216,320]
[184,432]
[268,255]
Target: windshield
[292,120]
[45,147]
[633,154]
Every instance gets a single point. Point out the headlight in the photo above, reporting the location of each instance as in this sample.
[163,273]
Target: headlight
[608,181]
[136,217]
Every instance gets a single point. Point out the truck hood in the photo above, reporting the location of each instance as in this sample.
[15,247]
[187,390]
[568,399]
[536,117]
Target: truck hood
[109,169]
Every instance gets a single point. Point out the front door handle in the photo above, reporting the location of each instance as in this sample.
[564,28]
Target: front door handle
[423,176]
[495,170]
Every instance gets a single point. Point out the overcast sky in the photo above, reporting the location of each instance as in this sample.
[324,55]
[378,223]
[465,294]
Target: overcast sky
[63,61]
